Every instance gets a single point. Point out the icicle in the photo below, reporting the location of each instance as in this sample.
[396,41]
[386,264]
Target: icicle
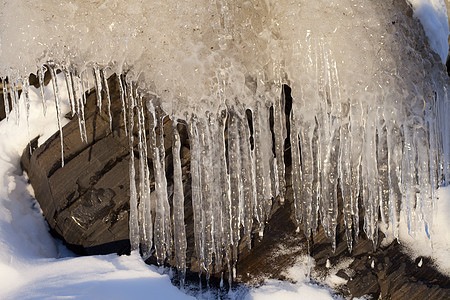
[144,209]
[247,182]
[5,97]
[300,210]
[79,95]
[409,184]
[70,88]
[14,93]
[41,77]
[108,97]
[383,171]
[344,167]
[370,178]
[423,176]
[122,96]
[133,217]
[356,140]
[223,183]
[234,161]
[395,148]
[98,86]
[178,206]
[52,70]
[163,235]
[25,91]
[196,190]
[206,172]
[262,154]
[280,132]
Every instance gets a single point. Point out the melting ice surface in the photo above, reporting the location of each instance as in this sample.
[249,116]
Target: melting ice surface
[368,113]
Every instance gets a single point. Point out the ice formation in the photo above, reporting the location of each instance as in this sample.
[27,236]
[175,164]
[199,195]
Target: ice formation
[368,118]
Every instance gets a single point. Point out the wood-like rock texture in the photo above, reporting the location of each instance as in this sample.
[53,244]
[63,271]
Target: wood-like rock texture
[85,202]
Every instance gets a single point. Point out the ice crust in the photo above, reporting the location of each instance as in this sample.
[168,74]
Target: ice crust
[368,118]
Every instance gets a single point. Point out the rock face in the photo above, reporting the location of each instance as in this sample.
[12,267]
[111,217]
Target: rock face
[86,202]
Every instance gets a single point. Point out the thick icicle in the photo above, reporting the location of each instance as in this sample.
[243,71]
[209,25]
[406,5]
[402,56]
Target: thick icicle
[196,189]
[409,183]
[5,97]
[41,75]
[280,136]
[98,86]
[395,148]
[262,153]
[162,229]
[134,215]
[223,216]
[234,161]
[145,217]
[370,189]
[14,94]
[206,172]
[179,230]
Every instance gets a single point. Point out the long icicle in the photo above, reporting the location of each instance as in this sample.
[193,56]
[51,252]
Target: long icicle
[41,76]
[144,208]
[52,70]
[133,218]
[5,97]
[108,96]
[196,190]
[178,206]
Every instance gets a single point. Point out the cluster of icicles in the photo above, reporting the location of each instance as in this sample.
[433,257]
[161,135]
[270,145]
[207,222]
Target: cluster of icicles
[238,169]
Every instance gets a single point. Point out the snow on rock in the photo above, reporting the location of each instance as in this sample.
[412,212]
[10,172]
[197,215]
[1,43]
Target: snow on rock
[437,246]
[433,16]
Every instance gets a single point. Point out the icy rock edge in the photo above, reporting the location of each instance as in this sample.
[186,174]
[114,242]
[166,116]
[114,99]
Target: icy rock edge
[368,119]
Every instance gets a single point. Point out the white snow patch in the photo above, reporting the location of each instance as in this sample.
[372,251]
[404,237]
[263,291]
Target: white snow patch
[331,279]
[433,16]
[300,287]
[436,244]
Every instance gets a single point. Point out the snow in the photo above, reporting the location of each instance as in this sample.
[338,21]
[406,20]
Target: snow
[433,16]
[437,246]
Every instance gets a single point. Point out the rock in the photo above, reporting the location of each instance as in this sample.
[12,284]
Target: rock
[86,202]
